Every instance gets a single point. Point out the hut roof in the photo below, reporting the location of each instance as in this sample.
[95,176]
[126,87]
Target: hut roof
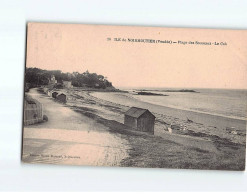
[136,112]
[61,94]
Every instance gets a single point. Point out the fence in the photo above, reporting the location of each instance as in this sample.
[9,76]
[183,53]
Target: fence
[33,111]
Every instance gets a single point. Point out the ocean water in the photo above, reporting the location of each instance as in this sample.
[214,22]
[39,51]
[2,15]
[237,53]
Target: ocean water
[230,103]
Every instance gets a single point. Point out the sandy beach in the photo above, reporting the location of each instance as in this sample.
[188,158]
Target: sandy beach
[97,134]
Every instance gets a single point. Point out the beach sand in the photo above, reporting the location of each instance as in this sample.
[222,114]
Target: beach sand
[70,138]
[204,145]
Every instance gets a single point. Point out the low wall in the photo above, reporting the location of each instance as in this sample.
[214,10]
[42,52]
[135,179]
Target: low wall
[33,111]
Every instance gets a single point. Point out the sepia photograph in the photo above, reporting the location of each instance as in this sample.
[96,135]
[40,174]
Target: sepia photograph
[133,96]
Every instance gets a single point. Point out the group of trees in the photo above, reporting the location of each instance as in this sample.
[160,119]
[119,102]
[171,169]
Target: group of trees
[36,76]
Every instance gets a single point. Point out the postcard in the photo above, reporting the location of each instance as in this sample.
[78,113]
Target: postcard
[131,96]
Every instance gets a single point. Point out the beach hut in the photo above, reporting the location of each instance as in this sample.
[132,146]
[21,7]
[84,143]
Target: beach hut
[140,119]
[54,94]
[61,98]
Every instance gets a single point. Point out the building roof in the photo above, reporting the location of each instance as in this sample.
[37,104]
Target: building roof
[136,112]
[61,94]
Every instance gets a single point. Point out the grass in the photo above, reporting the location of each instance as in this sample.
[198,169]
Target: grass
[155,152]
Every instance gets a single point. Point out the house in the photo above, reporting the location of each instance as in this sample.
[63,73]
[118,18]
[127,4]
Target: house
[67,84]
[54,94]
[52,80]
[140,119]
[61,98]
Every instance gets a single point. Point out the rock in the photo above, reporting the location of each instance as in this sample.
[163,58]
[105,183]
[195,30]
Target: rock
[189,121]
[149,93]
[234,132]
[231,130]
[183,128]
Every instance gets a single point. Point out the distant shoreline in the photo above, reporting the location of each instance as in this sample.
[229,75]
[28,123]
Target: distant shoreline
[170,90]
[149,93]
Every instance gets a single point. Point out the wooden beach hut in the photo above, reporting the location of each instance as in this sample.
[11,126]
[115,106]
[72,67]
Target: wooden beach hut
[54,94]
[140,119]
[61,98]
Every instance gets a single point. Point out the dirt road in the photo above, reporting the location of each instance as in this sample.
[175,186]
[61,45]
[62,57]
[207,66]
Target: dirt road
[70,138]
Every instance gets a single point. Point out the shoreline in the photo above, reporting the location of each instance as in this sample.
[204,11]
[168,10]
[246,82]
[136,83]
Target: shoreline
[202,123]
[202,112]
[180,108]
[240,119]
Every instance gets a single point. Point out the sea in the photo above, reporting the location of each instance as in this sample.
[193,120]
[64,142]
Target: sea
[230,103]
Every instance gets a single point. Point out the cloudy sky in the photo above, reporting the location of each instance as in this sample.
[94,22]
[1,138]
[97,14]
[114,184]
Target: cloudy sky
[70,48]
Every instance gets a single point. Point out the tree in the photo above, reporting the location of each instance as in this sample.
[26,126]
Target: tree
[36,76]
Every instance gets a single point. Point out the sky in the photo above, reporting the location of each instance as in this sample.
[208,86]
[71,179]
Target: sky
[77,47]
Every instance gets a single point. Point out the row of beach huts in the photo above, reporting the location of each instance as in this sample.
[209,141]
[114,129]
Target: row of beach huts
[59,96]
